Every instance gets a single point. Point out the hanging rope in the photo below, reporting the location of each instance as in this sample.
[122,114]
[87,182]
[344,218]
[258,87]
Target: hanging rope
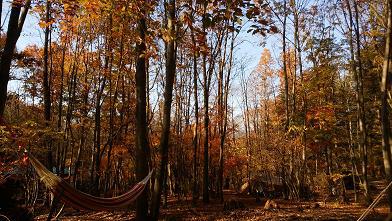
[6,218]
[374,203]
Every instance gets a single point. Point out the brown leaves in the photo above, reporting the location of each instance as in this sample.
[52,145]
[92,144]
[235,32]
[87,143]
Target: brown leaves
[260,15]
[274,29]
[70,7]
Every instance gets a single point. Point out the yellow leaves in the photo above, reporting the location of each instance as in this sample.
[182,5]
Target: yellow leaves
[166,35]
[296,130]
[92,8]
[4,134]
[31,124]
[44,24]
[3,131]
[70,7]
[67,7]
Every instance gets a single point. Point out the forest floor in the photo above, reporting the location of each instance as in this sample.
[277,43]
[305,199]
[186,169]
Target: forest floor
[288,210]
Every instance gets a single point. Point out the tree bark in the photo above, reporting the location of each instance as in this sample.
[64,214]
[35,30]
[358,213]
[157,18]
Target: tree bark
[359,90]
[195,133]
[221,119]
[385,87]
[168,95]
[206,77]
[224,106]
[83,126]
[97,134]
[361,108]
[244,91]
[46,87]
[1,12]
[206,197]
[297,41]
[142,145]
[286,81]
[15,25]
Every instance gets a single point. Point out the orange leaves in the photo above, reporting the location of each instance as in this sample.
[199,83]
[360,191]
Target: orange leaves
[321,116]
[186,19]
[234,161]
[31,57]
[201,38]
[17,3]
[44,24]
[92,6]
[70,7]
[265,64]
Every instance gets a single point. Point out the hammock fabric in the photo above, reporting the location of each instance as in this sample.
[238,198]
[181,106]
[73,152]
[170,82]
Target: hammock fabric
[77,199]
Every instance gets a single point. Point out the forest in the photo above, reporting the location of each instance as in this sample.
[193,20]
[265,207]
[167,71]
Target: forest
[195,110]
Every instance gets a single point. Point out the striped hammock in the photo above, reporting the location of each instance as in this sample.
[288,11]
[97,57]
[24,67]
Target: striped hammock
[83,201]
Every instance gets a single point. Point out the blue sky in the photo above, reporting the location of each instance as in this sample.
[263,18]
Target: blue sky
[250,50]
[30,35]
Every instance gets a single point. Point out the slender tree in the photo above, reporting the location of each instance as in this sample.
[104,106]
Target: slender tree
[15,25]
[206,120]
[168,95]
[46,87]
[286,81]
[385,88]
[196,129]
[142,144]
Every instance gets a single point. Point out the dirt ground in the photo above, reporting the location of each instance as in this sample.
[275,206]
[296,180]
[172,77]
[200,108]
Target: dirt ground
[288,210]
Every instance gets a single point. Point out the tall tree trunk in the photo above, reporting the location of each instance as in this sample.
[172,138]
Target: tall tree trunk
[206,197]
[60,107]
[1,12]
[142,145]
[97,134]
[385,88]
[286,81]
[168,95]
[221,118]
[195,133]
[207,74]
[46,86]
[68,137]
[225,96]
[244,91]
[361,103]
[83,136]
[352,156]
[359,97]
[297,41]
[15,25]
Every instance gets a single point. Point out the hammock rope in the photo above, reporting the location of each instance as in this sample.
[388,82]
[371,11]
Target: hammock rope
[80,200]
[374,203]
